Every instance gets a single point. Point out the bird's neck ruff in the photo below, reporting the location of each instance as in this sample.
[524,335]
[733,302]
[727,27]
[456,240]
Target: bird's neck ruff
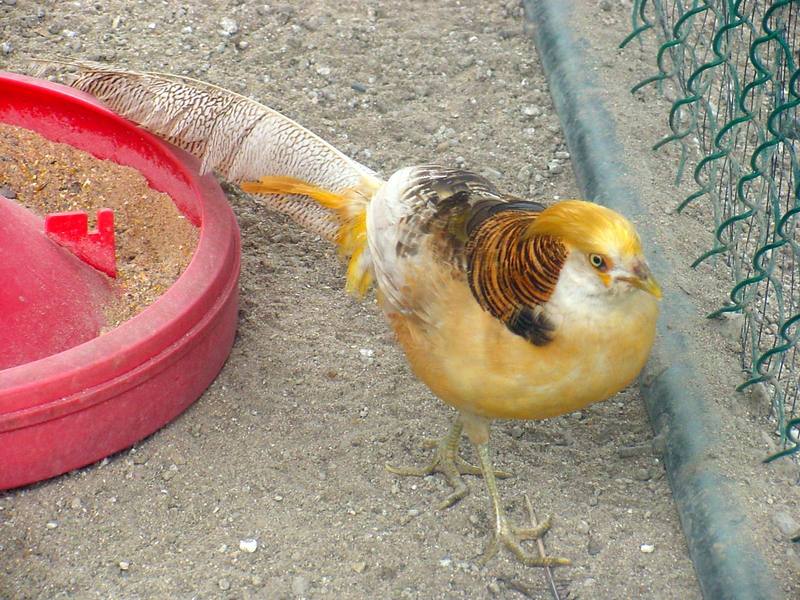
[513,274]
[349,206]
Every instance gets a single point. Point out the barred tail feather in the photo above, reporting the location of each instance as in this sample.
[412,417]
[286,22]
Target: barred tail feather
[234,135]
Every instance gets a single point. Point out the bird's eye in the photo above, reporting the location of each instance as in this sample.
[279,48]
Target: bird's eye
[598,262]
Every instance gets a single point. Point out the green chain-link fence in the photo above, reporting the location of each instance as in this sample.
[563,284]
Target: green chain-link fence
[731,69]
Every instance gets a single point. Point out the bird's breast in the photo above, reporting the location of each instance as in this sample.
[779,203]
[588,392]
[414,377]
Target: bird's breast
[473,362]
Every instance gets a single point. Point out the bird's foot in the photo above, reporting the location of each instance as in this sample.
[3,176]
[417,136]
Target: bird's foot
[447,462]
[511,537]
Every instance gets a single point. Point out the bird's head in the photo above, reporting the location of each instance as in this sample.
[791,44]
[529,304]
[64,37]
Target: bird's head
[605,250]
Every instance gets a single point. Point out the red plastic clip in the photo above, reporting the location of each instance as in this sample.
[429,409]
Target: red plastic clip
[96,248]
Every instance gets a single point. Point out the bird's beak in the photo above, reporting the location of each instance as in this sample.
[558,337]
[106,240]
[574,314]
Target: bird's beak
[643,279]
[649,285]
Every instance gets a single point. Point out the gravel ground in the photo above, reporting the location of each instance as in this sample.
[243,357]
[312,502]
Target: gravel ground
[284,453]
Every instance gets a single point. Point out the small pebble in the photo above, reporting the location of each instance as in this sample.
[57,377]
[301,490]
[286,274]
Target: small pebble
[52,524]
[594,546]
[422,90]
[562,155]
[786,524]
[300,586]
[7,47]
[228,26]
[531,111]
[7,192]
[224,584]
[359,567]
[248,545]
[124,565]
[647,548]
[358,87]
[466,62]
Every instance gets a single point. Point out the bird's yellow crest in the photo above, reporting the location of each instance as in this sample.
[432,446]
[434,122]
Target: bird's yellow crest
[589,227]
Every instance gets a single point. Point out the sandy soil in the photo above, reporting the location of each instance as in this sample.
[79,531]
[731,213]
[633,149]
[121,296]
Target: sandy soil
[154,241]
[287,446]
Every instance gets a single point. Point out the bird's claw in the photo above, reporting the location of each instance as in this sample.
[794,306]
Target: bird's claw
[447,462]
[510,537]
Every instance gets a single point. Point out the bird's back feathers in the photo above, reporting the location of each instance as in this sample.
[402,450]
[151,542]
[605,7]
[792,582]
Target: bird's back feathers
[457,220]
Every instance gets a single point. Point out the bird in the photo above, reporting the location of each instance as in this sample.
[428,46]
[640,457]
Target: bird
[505,308]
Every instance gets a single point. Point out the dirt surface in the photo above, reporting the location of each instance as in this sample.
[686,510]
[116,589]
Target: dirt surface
[155,242]
[287,446]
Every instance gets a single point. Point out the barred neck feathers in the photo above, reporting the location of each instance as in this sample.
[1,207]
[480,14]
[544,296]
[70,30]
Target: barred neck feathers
[511,273]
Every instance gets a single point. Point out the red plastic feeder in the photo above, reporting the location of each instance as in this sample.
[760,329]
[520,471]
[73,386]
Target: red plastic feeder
[50,300]
[73,398]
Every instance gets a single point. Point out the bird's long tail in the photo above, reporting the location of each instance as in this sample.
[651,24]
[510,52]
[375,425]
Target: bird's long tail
[266,153]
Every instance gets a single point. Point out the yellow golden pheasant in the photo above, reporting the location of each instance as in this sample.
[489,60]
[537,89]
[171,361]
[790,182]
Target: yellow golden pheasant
[505,308]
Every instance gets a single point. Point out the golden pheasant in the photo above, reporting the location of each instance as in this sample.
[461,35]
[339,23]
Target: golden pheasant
[505,308]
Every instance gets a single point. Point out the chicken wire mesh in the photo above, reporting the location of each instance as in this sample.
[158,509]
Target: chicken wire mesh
[731,71]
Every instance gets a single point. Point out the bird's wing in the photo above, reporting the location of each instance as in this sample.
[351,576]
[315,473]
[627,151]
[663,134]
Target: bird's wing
[417,221]
[234,135]
[432,225]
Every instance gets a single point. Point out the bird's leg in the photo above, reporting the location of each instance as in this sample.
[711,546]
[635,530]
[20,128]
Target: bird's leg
[504,532]
[446,461]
